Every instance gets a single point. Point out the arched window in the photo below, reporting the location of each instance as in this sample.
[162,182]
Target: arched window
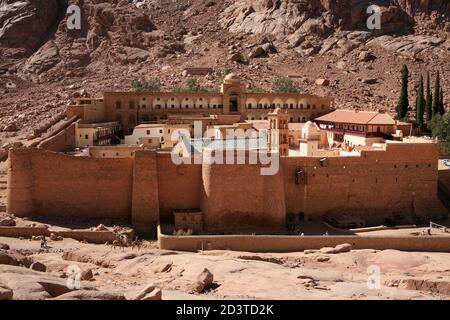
[118,104]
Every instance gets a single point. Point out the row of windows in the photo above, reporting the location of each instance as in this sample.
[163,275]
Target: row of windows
[285,106]
[176,104]
[131,105]
[147,118]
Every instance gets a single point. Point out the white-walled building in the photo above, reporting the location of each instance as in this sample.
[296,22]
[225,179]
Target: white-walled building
[151,135]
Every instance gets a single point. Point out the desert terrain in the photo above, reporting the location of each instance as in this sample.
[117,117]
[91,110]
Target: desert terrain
[121,273]
[110,272]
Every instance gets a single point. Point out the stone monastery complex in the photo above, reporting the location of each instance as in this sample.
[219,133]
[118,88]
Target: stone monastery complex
[114,160]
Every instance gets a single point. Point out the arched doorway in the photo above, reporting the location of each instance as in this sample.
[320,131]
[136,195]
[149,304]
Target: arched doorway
[234,103]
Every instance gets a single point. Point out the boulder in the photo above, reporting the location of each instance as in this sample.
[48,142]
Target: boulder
[236,57]
[90,295]
[370,81]
[257,52]
[328,250]
[341,248]
[322,82]
[44,59]
[87,274]
[268,47]
[8,259]
[28,284]
[37,266]
[150,292]
[4,246]
[7,221]
[366,56]
[5,293]
[11,127]
[204,280]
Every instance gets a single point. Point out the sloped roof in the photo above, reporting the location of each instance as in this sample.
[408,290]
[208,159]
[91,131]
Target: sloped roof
[358,117]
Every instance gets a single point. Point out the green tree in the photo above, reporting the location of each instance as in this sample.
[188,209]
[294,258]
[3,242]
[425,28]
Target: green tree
[440,129]
[429,99]
[403,102]
[193,86]
[436,126]
[441,103]
[284,85]
[153,85]
[437,95]
[420,105]
[255,89]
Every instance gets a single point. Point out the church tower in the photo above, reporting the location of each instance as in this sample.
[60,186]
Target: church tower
[278,132]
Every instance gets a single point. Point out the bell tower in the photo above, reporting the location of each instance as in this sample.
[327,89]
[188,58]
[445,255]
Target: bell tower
[278,132]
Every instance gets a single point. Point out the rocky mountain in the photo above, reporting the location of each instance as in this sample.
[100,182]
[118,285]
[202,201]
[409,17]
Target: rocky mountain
[43,64]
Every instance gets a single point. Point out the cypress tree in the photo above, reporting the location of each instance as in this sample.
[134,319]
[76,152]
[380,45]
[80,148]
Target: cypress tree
[429,99]
[420,105]
[403,102]
[437,95]
[441,103]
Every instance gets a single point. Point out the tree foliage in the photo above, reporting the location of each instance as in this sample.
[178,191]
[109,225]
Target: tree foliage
[420,105]
[284,85]
[153,85]
[429,99]
[403,102]
[437,95]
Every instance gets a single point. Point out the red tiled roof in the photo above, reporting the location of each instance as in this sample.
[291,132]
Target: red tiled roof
[357,117]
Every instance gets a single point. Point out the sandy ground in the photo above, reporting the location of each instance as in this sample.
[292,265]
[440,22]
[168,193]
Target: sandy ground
[242,275]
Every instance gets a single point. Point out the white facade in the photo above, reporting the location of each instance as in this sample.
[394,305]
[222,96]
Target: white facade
[151,135]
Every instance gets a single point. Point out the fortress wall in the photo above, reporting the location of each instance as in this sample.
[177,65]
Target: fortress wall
[178,186]
[145,203]
[259,243]
[62,141]
[238,196]
[374,186]
[50,184]
[20,183]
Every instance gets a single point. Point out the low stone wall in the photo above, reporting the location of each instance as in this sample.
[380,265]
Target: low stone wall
[97,237]
[274,243]
[62,140]
[26,232]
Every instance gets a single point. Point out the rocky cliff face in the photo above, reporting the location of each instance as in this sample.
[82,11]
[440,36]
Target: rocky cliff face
[26,25]
[305,24]
[43,65]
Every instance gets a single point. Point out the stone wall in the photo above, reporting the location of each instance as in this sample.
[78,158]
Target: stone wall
[400,182]
[62,141]
[50,184]
[238,196]
[145,202]
[179,187]
[257,243]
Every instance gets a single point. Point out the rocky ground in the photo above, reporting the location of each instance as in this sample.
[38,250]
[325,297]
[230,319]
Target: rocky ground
[29,272]
[44,65]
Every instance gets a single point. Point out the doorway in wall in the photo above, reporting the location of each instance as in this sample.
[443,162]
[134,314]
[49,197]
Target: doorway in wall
[234,105]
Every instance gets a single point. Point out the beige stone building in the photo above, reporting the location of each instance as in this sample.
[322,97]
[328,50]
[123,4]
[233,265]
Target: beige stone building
[96,134]
[133,108]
